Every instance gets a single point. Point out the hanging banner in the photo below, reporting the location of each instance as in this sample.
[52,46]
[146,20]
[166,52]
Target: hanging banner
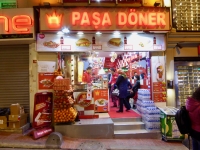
[108,42]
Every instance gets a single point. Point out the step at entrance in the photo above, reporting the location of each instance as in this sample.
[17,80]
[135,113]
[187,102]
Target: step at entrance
[132,128]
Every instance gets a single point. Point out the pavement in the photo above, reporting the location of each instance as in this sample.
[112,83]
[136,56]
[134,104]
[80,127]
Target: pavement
[18,141]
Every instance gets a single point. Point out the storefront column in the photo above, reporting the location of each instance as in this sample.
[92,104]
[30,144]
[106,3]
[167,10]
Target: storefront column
[171,99]
[32,76]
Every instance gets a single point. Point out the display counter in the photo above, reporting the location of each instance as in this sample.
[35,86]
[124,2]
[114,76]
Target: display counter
[99,102]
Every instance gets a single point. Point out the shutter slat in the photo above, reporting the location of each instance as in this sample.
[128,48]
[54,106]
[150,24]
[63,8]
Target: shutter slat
[14,76]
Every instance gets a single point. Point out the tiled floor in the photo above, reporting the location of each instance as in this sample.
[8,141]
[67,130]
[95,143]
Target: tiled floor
[20,141]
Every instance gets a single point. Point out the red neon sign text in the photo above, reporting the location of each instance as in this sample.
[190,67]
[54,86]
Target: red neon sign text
[147,19]
[20,23]
[95,19]
[132,18]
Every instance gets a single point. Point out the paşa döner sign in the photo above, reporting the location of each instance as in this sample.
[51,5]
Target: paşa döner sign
[101,19]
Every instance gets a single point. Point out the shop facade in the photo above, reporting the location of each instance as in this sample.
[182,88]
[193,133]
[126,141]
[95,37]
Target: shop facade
[139,34]
[17,39]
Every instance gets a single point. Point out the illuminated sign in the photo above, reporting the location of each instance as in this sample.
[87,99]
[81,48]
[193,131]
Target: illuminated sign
[54,20]
[4,4]
[124,19]
[16,21]
[20,23]
[133,18]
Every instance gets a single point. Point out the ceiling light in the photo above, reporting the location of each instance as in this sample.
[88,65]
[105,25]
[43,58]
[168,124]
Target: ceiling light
[98,33]
[60,33]
[80,33]
[65,30]
[116,33]
[134,33]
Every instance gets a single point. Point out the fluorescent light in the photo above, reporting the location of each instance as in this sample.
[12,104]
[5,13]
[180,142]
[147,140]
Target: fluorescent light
[65,30]
[134,33]
[116,33]
[80,33]
[60,33]
[98,33]
[97,52]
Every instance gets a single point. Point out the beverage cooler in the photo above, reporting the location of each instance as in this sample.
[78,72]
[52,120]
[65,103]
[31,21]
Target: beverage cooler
[187,79]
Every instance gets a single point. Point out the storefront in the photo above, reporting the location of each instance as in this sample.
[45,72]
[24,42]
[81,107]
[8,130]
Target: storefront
[70,40]
[17,38]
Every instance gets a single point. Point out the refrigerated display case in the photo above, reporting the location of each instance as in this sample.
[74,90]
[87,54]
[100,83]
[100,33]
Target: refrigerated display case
[187,79]
[168,126]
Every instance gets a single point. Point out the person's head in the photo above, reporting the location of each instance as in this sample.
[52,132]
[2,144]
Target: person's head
[112,70]
[135,73]
[121,72]
[196,94]
[89,69]
[137,77]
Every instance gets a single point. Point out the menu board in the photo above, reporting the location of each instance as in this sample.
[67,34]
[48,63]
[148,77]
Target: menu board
[106,42]
[101,100]
[42,113]
[159,92]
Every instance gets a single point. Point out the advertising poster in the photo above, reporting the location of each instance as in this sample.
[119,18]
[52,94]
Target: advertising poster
[109,64]
[74,42]
[46,66]
[158,78]
[101,100]
[45,81]
[42,113]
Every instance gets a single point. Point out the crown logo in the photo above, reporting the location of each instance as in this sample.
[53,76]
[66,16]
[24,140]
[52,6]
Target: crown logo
[97,92]
[54,20]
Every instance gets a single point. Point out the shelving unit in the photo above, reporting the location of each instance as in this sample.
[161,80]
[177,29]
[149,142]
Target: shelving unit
[187,78]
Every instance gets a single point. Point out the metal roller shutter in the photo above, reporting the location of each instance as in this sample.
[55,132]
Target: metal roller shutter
[14,76]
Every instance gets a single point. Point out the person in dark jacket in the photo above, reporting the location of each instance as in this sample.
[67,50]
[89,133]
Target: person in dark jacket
[193,107]
[134,90]
[122,84]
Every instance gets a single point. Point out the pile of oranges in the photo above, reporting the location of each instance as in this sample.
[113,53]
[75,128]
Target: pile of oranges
[64,115]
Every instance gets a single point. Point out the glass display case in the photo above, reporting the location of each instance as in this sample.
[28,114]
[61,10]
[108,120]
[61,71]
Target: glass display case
[187,79]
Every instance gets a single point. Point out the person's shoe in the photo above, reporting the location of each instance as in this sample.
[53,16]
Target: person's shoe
[114,106]
[127,109]
[134,106]
[119,111]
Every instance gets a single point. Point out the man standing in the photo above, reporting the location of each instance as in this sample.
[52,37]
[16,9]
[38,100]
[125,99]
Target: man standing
[87,78]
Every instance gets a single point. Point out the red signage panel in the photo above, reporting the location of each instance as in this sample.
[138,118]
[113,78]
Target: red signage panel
[106,19]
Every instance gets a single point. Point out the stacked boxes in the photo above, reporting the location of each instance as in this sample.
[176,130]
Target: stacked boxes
[3,122]
[17,117]
[62,84]
[150,113]
[152,119]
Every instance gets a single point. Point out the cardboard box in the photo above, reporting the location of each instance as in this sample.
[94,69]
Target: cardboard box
[15,109]
[17,124]
[17,117]
[3,122]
